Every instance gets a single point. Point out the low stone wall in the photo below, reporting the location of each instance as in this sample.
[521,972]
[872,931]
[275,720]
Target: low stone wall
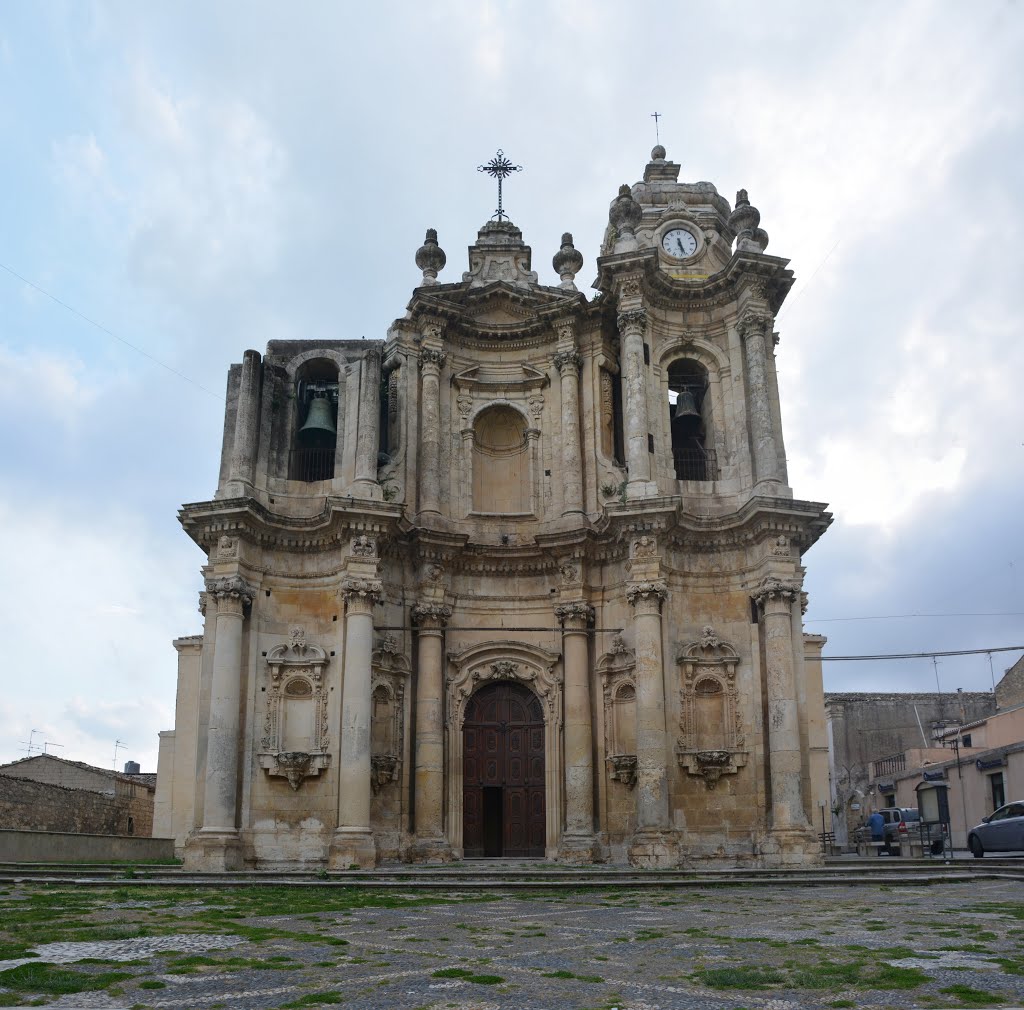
[41,806]
[65,847]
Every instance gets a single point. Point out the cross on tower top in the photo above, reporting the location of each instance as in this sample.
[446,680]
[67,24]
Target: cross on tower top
[500,168]
[657,135]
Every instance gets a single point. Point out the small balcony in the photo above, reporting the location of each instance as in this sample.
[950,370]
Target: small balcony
[311,464]
[890,766]
[695,464]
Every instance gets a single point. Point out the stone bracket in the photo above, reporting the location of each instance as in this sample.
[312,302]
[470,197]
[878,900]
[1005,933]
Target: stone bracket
[710,765]
[294,765]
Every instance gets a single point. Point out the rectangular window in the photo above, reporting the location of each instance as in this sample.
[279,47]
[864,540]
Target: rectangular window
[647,354]
[966,740]
[998,794]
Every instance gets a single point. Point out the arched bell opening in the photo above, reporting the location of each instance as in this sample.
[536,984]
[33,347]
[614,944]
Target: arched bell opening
[689,417]
[316,433]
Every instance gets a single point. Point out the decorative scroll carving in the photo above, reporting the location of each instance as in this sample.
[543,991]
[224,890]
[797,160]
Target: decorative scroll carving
[631,286]
[364,547]
[754,322]
[296,680]
[390,672]
[568,360]
[355,588]
[465,405]
[383,770]
[623,769]
[645,547]
[430,358]
[569,573]
[607,414]
[433,615]
[774,588]
[504,669]
[711,741]
[227,548]
[646,592]
[536,404]
[232,587]
[632,319]
[575,611]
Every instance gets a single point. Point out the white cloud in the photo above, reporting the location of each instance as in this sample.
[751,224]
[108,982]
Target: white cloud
[34,382]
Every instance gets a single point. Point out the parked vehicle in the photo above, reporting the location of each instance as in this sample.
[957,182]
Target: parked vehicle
[899,822]
[1001,831]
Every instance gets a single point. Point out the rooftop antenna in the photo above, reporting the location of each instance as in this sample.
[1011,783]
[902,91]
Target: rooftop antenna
[992,673]
[500,168]
[28,745]
[50,743]
[118,745]
[657,135]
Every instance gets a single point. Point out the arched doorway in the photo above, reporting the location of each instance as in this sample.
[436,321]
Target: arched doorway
[503,772]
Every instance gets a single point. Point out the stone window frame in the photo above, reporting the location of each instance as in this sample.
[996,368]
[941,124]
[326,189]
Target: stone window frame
[617,670]
[709,658]
[287,663]
[391,671]
[539,669]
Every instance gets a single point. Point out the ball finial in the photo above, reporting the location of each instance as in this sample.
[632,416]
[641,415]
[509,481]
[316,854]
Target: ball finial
[658,153]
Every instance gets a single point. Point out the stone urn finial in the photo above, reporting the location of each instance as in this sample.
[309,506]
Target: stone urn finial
[567,262]
[744,220]
[430,257]
[624,215]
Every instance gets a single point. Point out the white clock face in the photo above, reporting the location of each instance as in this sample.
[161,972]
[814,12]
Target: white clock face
[679,242]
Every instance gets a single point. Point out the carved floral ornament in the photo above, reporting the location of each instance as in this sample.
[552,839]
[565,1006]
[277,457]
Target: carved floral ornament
[774,588]
[231,588]
[568,361]
[645,547]
[431,615]
[631,286]
[632,319]
[364,546]
[711,741]
[570,573]
[296,678]
[430,358]
[227,547]
[354,588]
[576,612]
[754,322]
[646,592]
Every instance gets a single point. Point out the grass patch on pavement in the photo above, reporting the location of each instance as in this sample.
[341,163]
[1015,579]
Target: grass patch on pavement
[42,977]
[467,976]
[973,997]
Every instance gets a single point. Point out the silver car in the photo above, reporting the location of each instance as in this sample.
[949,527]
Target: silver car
[1001,831]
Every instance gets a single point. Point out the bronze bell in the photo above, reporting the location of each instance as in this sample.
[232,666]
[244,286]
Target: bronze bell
[319,424]
[686,406]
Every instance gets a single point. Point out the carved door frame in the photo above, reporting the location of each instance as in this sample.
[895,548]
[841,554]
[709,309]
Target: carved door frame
[470,669]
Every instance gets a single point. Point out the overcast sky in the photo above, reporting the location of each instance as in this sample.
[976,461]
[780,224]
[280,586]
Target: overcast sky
[201,178]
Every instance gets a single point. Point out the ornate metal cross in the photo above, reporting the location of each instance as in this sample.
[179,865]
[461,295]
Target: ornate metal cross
[500,168]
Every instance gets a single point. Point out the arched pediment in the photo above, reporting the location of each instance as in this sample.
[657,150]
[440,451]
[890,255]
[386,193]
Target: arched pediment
[709,649]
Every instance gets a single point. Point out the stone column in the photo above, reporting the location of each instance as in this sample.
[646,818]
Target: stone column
[775,597]
[578,841]
[431,362]
[568,364]
[431,843]
[217,847]
[243,451]
[632,324]
[755,328]
[368,437]
[652,845]
[353,841]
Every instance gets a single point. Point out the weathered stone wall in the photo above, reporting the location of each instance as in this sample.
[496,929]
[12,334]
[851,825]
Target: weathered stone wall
[1010,690]
[25,804]
[61,847]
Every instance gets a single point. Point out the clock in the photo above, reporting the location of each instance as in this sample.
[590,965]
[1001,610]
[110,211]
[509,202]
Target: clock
[679,243]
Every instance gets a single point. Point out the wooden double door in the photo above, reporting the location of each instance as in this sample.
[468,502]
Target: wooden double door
[503,772]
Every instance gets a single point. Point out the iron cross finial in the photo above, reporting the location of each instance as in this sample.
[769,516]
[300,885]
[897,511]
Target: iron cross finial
[656,116]
[500,168]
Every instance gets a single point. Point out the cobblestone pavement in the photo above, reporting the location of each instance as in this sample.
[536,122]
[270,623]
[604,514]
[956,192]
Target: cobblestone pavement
[772,947]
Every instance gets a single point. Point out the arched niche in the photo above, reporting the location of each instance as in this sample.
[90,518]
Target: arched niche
[711,741]
[317,420]
[389,676]
[502,462]
[470,669]
[617,669]
[690,418]
[295,741]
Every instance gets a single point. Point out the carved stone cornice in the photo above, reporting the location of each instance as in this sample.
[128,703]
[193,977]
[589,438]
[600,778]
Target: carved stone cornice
[430,616]
[774,588]
[568,360]
[639,593]
[632,320]
[754,322]
[429,358]
[575,616]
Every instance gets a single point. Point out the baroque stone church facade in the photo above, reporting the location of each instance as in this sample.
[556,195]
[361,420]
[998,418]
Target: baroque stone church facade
[522,579]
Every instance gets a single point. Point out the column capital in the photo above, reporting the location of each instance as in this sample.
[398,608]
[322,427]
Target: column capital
[568,361]
[772,588]
[632,321]
[432,359]
[231,593]
[361,593]
[575,616]
[647,596]
[753,322]
[430,616]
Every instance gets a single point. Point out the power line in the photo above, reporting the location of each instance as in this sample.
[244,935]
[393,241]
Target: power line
[900,617]
[926,655]
[109,332]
